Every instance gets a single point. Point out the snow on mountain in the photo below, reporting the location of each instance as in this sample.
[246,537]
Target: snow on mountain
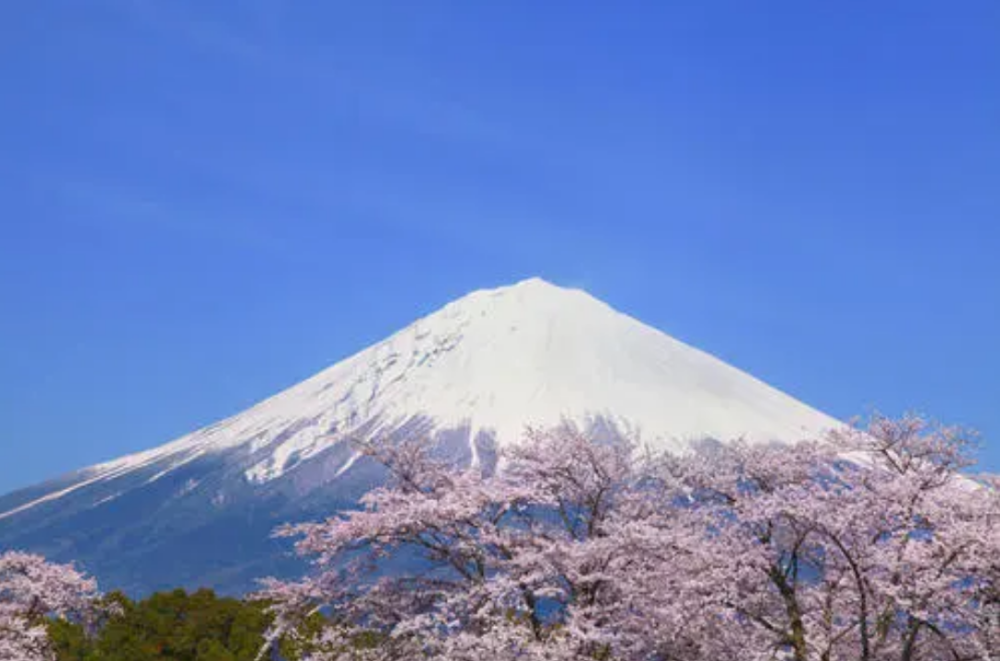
[493,362]
[473,375]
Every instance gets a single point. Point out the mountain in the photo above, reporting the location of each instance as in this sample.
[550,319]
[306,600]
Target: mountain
[469,378]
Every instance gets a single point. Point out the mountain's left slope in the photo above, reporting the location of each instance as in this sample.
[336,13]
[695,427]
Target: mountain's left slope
[468,378]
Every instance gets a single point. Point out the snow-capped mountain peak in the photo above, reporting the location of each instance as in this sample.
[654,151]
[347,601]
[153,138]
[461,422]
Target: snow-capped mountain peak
[495,361]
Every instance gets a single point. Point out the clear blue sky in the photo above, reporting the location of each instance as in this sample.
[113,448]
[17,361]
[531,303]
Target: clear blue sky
[204,202]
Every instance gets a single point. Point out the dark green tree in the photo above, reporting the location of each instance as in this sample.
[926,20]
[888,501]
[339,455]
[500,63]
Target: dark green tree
[168,626]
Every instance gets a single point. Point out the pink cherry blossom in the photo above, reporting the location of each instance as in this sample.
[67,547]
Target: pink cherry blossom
[868,545]
[32,589]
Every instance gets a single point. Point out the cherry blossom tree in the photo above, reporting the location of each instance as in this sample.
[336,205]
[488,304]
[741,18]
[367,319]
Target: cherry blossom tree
[31,590]
[867,545]
[20,640]
[460,565]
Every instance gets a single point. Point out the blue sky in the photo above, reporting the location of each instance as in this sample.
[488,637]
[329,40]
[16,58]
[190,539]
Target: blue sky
[204,202]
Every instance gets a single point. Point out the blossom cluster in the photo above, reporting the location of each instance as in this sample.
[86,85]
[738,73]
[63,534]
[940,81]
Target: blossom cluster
[31,590]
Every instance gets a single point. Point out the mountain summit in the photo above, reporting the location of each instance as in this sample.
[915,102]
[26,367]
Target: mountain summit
[469,377]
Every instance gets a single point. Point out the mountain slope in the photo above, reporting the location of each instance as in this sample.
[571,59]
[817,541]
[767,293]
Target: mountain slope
[469,377]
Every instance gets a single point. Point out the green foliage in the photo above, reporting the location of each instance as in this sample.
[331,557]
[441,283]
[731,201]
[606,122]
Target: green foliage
[70,640]
[308,633]
[168,626]
[178,626]
[296,647]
